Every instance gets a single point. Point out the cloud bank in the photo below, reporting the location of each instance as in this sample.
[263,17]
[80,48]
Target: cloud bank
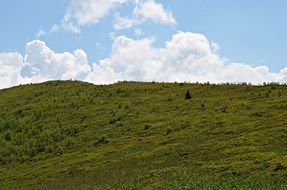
[186,57]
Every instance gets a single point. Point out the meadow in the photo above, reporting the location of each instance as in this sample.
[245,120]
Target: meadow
[135,135]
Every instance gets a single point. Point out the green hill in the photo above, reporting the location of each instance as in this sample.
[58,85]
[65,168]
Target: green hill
[75,135]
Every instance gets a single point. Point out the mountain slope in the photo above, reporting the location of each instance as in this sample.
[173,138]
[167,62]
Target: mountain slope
[75,135]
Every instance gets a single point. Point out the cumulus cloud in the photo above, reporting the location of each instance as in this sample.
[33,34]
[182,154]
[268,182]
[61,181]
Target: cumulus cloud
[80,13]
[10,69]
[121,22]
[84,12]
[154,11]
[145,10]
[186,57]
[40,64]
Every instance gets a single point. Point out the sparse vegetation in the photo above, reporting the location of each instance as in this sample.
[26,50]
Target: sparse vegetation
[75,135]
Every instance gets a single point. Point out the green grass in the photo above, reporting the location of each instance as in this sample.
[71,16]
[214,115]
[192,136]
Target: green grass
[75,135]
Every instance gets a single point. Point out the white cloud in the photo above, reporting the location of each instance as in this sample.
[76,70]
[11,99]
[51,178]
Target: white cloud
[186,57]
[10,69]
[40,33]
[80,13]
[138,32]
[42,62]
[145,10]
[85,12]
[54,29]
[124,22]
[128,58]
[154,11]
[90,11]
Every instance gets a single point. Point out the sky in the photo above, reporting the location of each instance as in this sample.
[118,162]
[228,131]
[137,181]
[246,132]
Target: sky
[105,41]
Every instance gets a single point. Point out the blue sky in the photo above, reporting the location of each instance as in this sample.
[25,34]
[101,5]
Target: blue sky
[248,32]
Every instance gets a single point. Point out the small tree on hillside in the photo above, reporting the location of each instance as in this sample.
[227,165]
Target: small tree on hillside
[188,95]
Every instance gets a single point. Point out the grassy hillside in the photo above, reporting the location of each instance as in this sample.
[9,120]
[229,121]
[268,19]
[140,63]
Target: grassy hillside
[75,135]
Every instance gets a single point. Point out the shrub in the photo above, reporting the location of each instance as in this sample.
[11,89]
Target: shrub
[102,140]
[119,124]
[188,95]
[50,148]
[113,120]
[8,124]
[224,109]
[147,126]
[184,125]
[31,150]
[168,130]
[37,115]
[69,142]
[119,91]
[72,130]
[8,136]
[202,105]
[278,166]
[34,132]
[59,151]
[19,111]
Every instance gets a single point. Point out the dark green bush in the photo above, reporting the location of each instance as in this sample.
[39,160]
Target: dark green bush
[113,120]
[188,95]
[50,148]
[8,136]
[147,126]
[168,130]
[59,151]
[103,139]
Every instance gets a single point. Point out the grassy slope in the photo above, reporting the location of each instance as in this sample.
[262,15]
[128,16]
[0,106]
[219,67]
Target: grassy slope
[74,135]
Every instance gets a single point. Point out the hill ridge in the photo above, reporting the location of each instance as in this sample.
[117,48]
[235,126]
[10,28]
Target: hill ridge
[76,135]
